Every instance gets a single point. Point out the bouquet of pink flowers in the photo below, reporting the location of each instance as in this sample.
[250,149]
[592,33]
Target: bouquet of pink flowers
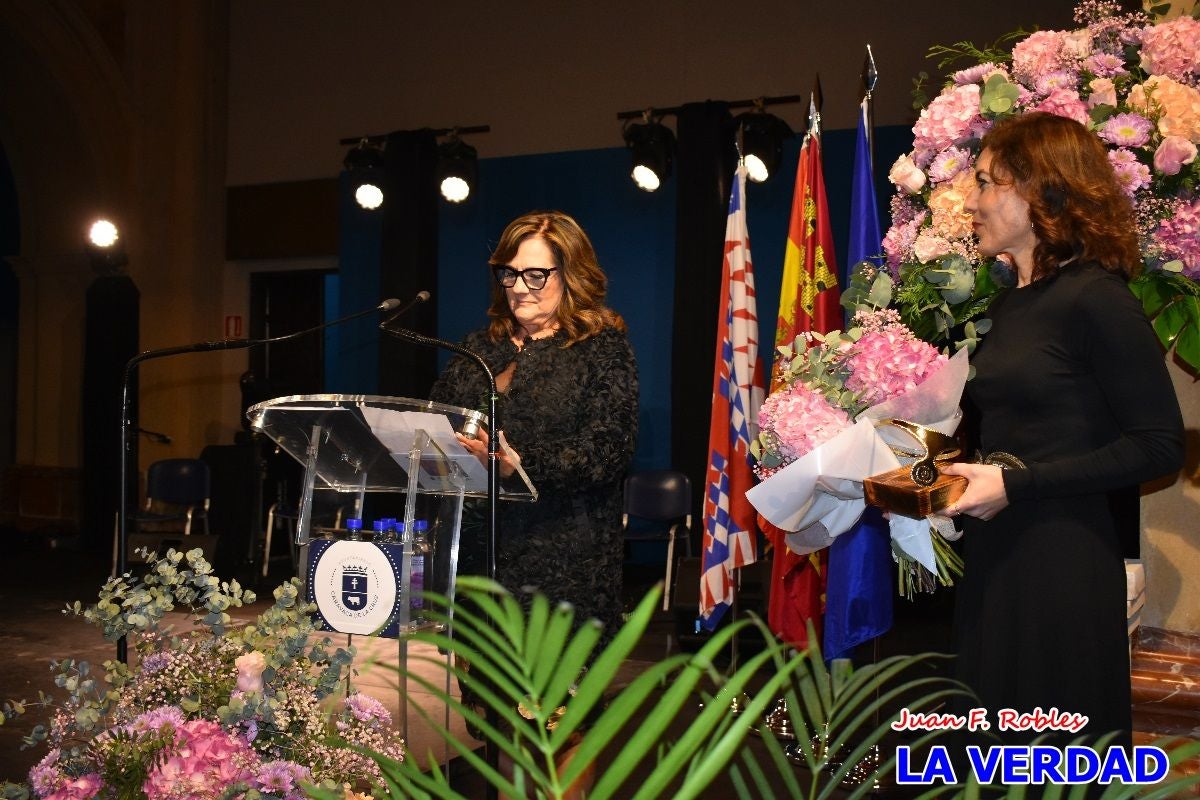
[231,711]
[817,437]
[1134,80]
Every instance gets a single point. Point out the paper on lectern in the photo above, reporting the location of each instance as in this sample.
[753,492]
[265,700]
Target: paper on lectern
[397,431]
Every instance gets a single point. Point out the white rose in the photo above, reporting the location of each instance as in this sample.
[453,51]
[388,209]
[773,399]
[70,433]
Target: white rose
[928,247]
[907,175]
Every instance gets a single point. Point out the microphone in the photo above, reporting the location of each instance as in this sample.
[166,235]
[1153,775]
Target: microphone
[422,297]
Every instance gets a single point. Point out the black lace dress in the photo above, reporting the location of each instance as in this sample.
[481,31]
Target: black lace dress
[1071,380]
[571,413]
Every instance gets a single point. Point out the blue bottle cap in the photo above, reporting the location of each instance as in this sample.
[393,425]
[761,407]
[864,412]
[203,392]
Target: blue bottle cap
[354,524]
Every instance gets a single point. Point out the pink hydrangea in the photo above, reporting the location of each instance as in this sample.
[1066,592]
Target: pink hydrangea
[1042,52]
[890,361]
[84,787]
[1131,173]
[801,419]
[1172,48]
[204,760]
[945,121]
[1126,130]
[1179,237]
[1065,103]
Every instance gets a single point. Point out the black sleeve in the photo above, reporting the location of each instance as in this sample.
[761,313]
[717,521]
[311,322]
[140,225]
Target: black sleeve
[1120,348]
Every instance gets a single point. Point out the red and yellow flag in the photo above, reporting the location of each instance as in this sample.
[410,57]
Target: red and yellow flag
[809,300]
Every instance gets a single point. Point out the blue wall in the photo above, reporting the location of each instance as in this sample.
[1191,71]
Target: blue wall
[634,235]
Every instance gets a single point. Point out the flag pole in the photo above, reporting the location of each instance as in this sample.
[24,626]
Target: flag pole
[870,76]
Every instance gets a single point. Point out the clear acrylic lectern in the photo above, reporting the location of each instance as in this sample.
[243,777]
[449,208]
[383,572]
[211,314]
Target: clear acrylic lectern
[354,444]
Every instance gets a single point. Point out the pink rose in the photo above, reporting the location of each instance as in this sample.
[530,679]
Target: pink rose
[907,175]
[1104,92]
[250,669]
[1172,154]
[928,247]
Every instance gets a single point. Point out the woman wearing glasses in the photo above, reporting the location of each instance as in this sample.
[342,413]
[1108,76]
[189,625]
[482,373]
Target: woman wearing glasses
[568,406]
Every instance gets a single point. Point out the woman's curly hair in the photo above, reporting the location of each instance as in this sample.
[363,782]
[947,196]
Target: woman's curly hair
[1076,204]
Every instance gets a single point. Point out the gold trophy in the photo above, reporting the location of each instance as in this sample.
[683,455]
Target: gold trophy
[919,489]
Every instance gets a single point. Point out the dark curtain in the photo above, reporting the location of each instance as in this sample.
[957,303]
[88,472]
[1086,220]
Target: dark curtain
[704,171]
[409,259]
[110,340]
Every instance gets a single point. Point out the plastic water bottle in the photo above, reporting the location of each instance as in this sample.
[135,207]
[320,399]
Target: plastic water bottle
[354,529]
[420,548]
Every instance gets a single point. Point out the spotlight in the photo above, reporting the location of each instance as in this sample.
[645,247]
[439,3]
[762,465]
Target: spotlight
[365,165]
[458,169]
[104,248]
[103,234]
[762,142]
[652,148]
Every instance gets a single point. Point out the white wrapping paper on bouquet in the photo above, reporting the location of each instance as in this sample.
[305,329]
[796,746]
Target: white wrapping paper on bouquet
[819,496]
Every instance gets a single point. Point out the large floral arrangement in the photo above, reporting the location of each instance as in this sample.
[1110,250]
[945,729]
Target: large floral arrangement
[247,711]
[1135,82]
[828,385]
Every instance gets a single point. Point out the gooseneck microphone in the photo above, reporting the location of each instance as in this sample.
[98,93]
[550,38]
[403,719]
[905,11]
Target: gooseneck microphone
[493,472]
[201,347]
[422,297]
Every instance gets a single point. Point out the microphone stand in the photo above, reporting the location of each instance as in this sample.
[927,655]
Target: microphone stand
[126,422]
[491,753]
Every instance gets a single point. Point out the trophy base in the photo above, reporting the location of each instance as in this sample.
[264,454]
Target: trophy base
[897,493]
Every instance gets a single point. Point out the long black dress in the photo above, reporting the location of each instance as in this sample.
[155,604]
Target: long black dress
[571,413]
[1070,380]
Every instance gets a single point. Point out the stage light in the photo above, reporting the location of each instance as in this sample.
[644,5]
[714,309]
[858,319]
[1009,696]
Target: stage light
[458,169]
[105,249]
[365,165]
[103,234]
[652,149]
[762,142]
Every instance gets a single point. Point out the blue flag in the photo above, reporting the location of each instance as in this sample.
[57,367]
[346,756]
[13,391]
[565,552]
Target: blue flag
[858,596]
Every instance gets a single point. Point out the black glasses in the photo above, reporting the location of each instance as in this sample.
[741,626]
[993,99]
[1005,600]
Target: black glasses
[534,277]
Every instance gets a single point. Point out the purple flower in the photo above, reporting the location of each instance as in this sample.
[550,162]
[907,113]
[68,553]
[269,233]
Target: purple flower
[1104,65]
[949,163]
[974,74]
[1126,130]
[1131,173]
[154,720]
[281,778]
[46,775]
[155,662]
[1059,79]
[365,708]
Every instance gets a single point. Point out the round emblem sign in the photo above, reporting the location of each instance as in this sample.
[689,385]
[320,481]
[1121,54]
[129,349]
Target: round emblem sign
[354,587]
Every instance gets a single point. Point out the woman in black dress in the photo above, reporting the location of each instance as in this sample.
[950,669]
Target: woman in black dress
[1070,381]
[568,406]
